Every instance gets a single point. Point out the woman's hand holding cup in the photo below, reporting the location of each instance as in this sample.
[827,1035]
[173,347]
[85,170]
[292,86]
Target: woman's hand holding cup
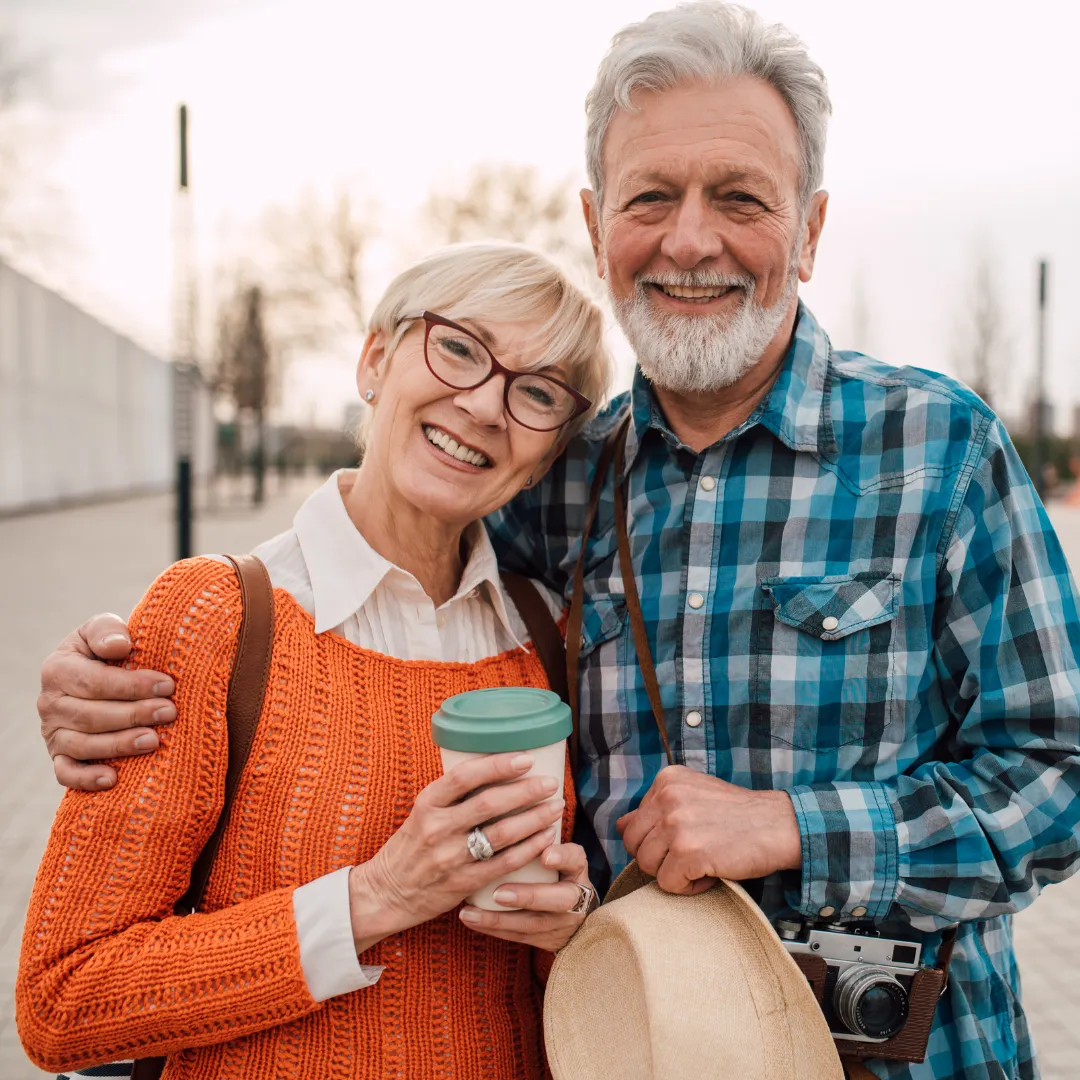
[547,918]
[425,868]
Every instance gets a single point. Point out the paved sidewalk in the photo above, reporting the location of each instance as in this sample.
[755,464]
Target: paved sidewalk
[60,567]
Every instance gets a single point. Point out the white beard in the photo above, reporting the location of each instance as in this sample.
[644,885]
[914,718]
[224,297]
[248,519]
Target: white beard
[697,353]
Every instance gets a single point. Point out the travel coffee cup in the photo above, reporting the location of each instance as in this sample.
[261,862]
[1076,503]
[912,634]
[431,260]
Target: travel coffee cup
[497,721]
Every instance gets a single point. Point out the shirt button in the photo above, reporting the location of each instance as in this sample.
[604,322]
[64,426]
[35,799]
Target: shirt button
[695,600]
[829,623]
[693,718]
[707,483]
[858,912]
[826,911]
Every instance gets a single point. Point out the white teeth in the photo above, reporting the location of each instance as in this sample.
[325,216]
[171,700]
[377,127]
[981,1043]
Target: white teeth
[452,447]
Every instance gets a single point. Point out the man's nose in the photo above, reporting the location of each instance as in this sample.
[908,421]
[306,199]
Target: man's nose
[485,403]
[693,234]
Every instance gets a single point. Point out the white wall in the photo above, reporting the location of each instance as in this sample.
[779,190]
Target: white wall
[84,412]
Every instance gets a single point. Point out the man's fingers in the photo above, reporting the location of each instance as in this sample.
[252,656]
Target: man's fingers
[106,636]
[634,827]
[95,748]
[650,853]
[82,777]
[70,672]
[673,877]
[101,717]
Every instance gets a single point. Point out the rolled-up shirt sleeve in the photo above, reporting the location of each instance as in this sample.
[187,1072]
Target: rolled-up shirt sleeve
[324,930]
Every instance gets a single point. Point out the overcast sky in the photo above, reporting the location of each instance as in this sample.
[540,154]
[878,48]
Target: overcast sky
[955,127]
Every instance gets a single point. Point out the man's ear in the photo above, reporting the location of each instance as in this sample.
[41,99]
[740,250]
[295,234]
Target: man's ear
[815,222]
[591,210]
[372,364]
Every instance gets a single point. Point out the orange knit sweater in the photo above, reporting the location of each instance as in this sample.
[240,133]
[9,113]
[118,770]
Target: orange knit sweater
[342,749]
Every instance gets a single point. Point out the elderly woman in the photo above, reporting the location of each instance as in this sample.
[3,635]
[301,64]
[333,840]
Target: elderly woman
[329,944]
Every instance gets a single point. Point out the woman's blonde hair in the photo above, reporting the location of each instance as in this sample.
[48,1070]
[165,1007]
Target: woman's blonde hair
[506,283]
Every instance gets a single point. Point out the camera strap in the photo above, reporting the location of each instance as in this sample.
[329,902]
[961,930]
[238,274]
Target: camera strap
[613,451]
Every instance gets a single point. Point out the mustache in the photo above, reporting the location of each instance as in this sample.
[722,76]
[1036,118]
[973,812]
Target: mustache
[697,279]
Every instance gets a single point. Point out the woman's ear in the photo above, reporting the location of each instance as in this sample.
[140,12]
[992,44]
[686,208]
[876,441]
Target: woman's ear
[372,365]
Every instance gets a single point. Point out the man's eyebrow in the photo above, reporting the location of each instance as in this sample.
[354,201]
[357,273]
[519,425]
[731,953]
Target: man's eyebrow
[739,174]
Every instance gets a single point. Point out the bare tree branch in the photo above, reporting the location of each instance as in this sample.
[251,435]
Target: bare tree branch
[315,281]
[512,202]
[982,347]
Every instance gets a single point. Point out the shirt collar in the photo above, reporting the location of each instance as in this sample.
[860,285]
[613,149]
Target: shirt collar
[796,410]
[344,569]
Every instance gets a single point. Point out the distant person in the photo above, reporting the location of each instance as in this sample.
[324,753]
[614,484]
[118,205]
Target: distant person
[329,944]
[864,632]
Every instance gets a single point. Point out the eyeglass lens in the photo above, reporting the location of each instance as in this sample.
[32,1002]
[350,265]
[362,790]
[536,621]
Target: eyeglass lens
[463,362]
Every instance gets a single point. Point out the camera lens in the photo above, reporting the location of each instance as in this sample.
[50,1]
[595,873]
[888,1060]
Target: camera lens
[870,1002]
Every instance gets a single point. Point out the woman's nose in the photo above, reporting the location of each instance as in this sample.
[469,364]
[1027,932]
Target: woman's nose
[485,403]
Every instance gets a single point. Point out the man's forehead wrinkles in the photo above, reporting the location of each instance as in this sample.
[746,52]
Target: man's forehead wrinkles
[711,168]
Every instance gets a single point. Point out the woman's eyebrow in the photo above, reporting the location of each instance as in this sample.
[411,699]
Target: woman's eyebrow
[481,331]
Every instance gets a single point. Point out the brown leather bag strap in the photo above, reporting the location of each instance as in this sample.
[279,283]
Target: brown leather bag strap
[633,601]
[542,628]
[247,688]
[577,599]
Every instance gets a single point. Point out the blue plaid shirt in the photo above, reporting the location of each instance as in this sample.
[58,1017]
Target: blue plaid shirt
[856,597]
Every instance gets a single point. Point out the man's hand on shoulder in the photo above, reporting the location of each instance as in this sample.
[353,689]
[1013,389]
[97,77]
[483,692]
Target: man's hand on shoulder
[692,829]
[91,710]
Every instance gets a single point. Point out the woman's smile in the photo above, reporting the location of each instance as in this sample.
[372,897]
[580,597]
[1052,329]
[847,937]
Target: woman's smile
[452,449]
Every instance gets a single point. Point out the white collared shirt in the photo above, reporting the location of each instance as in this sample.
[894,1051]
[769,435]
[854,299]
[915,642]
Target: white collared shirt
[350,589]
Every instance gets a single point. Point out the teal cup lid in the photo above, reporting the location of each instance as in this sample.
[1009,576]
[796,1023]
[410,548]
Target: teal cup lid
[501,719]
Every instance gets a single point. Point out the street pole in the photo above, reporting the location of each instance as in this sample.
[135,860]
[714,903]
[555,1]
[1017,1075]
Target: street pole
[1040,448]
[184,362]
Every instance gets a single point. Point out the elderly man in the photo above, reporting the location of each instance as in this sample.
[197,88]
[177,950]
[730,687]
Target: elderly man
[864,632]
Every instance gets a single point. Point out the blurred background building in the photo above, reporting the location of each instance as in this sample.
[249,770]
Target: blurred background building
[84,412]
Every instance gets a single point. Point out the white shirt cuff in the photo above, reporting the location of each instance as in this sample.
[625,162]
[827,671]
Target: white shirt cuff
[324,930]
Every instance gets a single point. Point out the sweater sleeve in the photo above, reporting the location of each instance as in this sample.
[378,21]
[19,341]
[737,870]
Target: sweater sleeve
[107,970]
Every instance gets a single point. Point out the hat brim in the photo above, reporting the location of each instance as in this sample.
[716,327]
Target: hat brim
[659,987]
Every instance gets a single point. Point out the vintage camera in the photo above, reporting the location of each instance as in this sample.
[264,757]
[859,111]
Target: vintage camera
[868,979]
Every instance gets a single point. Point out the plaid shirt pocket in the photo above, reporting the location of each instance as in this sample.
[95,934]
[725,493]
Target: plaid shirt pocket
[821,667]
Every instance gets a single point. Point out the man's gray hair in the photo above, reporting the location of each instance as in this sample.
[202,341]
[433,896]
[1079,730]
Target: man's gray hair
[706,41]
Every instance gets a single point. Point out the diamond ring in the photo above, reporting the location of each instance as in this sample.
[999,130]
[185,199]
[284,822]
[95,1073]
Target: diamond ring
[479,845]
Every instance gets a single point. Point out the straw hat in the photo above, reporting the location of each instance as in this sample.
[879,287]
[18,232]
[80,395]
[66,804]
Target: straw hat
[662,987]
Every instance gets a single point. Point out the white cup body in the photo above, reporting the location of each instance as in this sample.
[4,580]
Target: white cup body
[548,760]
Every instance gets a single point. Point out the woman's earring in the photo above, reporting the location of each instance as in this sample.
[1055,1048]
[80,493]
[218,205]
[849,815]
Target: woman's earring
[528,483]
[369,396]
